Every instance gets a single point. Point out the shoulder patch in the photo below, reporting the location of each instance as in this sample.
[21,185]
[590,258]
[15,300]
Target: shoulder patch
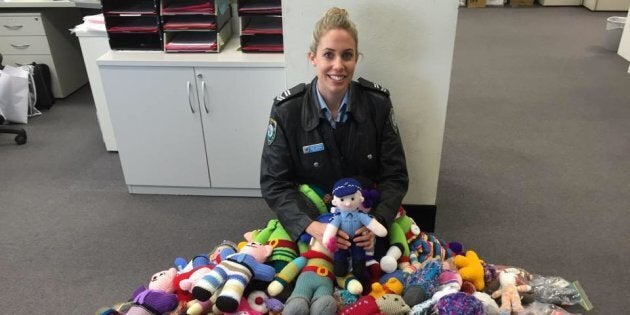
[373,86]
[290,93]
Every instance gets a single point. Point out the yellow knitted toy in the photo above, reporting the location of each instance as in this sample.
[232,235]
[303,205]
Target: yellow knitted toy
[471,269]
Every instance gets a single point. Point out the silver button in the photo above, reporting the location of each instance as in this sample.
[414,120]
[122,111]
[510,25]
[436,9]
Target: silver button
[369,156]
[316,164]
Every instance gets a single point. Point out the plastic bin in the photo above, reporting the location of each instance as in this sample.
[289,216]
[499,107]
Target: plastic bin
[614,29]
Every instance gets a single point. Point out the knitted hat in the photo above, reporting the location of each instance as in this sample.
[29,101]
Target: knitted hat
[345,187]
[459,304]
[449,276]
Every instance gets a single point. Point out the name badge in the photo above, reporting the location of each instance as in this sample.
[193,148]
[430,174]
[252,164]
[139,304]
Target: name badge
[313,148]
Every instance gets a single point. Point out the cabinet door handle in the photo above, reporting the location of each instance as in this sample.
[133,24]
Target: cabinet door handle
[24,46]
[203,96]
[13,27]
[192,109]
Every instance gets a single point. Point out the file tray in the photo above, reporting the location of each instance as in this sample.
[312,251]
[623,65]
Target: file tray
[261,24]
[262,43]
[203,41]
[264,7]
[135,41]
[189,21]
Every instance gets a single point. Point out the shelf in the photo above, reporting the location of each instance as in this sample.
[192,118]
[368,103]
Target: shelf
[230,56]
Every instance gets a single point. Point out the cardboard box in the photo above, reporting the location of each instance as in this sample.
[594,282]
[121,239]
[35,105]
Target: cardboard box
[518,3]
[476,3]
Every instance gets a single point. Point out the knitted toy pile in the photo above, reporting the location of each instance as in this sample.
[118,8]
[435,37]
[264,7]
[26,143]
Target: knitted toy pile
[267,273]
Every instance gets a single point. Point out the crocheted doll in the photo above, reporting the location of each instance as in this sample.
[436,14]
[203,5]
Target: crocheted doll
[274,234]
[471,269]
[509,292]
[347,199]
[390,304]
[314,285]
[158,297]
[402,231]
[235,272]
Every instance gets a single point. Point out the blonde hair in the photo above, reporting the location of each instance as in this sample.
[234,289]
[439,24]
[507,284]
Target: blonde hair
[334,18]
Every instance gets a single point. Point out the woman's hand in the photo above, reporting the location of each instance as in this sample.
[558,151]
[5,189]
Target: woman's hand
[364,238]
[316,230]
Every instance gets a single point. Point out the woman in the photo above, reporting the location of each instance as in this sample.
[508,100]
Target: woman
[329,129]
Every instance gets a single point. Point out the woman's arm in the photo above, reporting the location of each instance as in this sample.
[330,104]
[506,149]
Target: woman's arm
[393,179]
[277,179]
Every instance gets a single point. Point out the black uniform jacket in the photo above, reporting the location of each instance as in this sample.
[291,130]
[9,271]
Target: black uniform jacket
[300,148]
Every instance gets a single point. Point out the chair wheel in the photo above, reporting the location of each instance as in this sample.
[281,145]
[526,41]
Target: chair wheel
[20,139]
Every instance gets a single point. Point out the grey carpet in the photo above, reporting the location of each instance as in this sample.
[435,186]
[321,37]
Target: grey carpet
[534,173]
[535,170]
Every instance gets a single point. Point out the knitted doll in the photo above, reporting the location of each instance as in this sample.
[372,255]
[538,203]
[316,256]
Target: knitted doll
[459,303]
[509,292]
[389,304]
[199,266]
[347,200]
[428,246]
[235,272]
[423,283]
[471,269]
[402,231]
[449,282]
[274,234]
[314,285]
[158,297]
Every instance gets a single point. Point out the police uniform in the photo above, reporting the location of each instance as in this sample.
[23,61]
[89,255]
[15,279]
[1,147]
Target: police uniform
[301,147]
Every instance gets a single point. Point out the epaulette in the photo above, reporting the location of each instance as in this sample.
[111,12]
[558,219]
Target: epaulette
[373,86]
[289,94]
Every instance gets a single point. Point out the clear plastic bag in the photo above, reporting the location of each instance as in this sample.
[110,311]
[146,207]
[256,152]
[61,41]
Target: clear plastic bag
[556,290]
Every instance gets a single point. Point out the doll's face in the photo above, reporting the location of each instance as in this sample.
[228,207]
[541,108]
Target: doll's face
[334,62]
[348,202]
[258,251]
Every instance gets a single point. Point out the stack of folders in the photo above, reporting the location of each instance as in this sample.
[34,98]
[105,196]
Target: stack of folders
[261,25]
[195,25]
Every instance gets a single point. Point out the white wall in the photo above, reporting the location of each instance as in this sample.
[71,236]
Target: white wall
[407,46]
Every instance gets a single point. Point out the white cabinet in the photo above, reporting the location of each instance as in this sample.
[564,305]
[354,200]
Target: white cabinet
[155,114]
[44,37]
[190,129]
[235,113]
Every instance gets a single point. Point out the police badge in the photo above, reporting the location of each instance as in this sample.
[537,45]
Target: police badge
[271,131]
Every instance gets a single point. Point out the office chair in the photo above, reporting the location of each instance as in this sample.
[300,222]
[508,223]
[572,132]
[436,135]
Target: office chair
[20,133]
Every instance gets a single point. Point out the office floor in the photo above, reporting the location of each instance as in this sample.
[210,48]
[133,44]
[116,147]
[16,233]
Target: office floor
[534,174]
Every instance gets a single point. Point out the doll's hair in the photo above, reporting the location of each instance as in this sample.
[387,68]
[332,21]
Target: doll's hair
[334,18]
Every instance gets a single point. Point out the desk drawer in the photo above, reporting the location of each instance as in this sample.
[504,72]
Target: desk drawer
[24,45]
[21,25]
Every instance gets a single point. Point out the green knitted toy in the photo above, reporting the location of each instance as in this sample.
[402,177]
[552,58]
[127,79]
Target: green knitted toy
[314,285]
[401,232]
[284,249]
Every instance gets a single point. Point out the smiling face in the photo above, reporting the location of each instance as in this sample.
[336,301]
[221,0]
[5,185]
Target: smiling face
[334,61]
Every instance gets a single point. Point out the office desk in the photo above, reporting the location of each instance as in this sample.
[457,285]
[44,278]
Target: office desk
[39,32]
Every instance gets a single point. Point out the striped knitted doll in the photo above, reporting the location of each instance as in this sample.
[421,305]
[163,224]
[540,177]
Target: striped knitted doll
[284,249]
[234,273]
[314,285]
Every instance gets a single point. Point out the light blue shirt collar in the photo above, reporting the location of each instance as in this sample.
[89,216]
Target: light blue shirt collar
[342,116]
